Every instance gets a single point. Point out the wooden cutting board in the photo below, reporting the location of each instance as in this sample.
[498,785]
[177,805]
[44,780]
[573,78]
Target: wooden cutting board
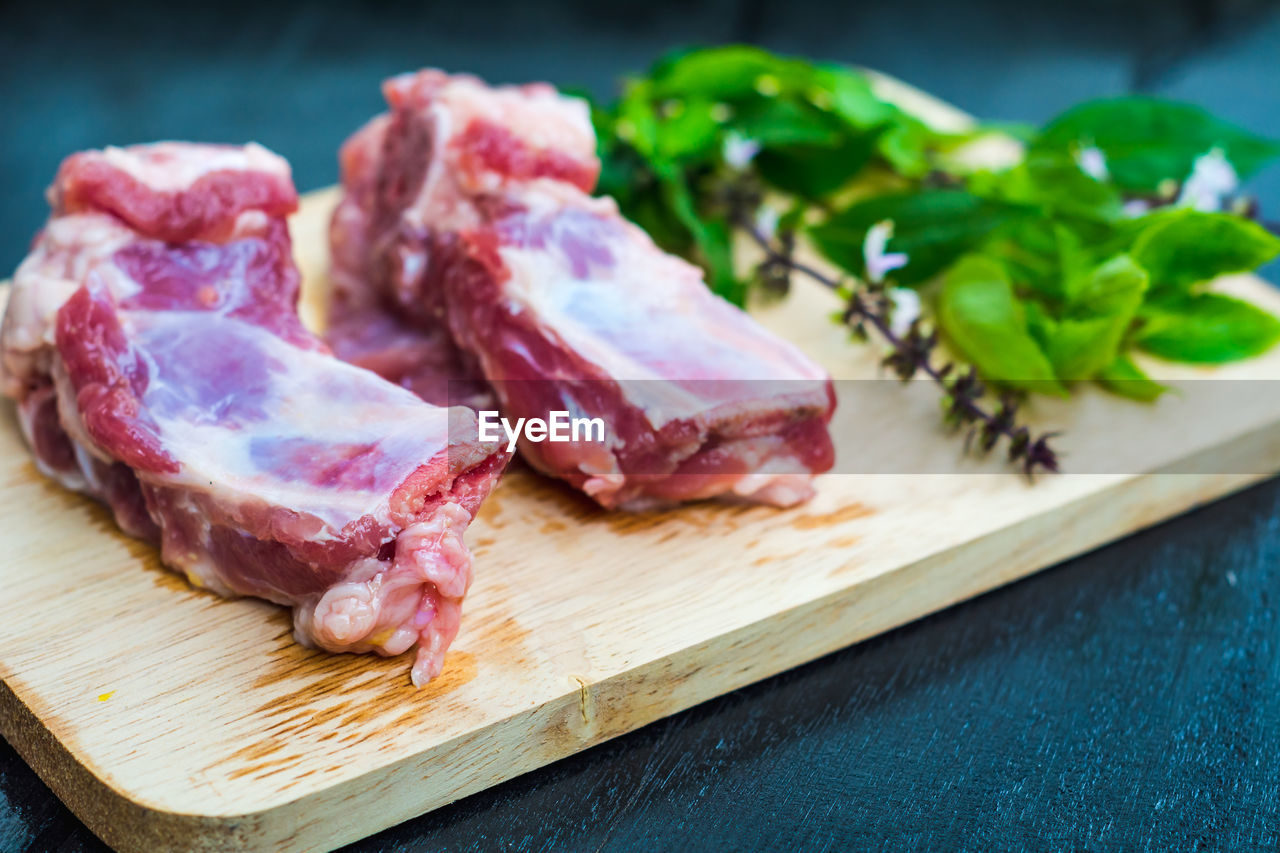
[166,717]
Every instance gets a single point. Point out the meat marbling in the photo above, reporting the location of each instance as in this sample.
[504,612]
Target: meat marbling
[153,346]
[466,216]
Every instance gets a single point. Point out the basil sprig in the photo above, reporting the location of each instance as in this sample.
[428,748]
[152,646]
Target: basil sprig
[1102,240]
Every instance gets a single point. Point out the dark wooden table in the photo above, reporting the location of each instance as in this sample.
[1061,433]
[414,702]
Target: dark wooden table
[1126,699]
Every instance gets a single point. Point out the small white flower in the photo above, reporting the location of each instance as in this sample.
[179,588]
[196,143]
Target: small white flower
[739,150]
[879,262]
[1212,179]
[1093,162]
[1136,207]
[905,310]
[767,220]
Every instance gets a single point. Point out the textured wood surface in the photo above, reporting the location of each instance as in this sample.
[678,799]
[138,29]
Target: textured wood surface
[168,717]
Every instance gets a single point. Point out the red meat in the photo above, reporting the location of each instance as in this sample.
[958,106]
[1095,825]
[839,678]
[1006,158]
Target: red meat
[154,349]
[466,215]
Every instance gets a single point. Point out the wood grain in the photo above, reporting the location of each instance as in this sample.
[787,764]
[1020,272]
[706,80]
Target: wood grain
[169,718]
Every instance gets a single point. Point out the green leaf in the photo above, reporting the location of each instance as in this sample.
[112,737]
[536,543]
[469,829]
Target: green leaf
[781,121]
[622,170]
[1073,262]
[1125,378]
[1114,287]
[1030,249]
[1088,336]
[933,228]
[1054,181]
[1041,326]
[711,236]
[903,139]
[1206,328]
[815,171]
[1147,140]
[847,93]
[1185,247]
[1078,349]
[688,130]
[985,321]
[650,208]
[637,122]
[806,152]
[727,73]
[905,146]
[1062,186]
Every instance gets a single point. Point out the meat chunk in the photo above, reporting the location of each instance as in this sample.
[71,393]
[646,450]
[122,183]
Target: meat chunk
[153,346]
[170,191]
[466,209]
[365,329]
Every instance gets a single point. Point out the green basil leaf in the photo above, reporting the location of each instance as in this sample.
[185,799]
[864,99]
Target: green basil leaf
[775,122]
[1206,328]
[1030,250]
[1080,348]
[1147,140]
[1185,247]
[1055,182]
[1041,326]
[1074,262]
[726,73]
[815,171]
[711,236]
[903,140]
[847,93]
[637,122]
[933,228]
[1125,378]
[1113,288]
[983,319]
[688,131]
[905,146]
[621,169]
[1063,187]
[650,209]
[1088,336]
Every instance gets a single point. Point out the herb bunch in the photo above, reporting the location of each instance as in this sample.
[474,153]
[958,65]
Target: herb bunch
[1103,238]
[911,354]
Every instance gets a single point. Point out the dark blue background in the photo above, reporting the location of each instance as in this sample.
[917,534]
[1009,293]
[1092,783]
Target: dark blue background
[1127,699]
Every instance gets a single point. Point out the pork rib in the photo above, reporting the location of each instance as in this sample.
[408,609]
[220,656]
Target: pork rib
[153,346]
[466,215]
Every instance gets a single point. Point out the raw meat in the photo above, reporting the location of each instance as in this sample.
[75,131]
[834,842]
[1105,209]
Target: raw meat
[364,328]
[154,349]
[466,209]
[425,361]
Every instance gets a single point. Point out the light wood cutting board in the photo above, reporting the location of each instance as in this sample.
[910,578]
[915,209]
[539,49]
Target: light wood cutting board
[166,717]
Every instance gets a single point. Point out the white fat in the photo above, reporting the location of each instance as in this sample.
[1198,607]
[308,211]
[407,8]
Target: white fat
[173,166]
[539,115]
[313,397]
[69,250]
[649,320]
